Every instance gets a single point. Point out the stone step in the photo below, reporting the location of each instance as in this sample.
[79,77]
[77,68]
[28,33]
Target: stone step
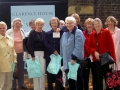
[29,83]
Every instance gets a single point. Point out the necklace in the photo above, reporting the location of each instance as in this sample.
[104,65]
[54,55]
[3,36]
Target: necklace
[41,39]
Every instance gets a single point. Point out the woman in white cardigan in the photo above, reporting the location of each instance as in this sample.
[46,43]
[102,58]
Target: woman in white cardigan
[18,35]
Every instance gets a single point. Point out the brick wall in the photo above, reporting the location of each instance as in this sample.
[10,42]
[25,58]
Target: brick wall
[105,8]
[102,9]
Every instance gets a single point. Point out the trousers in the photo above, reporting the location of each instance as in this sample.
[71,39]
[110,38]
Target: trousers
[20,66]
[5,80]
[99,72]
[39,83]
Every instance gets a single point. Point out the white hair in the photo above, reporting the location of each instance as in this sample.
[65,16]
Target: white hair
[16,19]
[70,19]
[97,20]
[62,21]
[3,23]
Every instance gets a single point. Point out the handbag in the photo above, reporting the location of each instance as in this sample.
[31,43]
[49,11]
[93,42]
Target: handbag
[106,59]
[72,74]
[55,64]
[34,68]
[13,68]
[16,74]
[84,63]
[113,79]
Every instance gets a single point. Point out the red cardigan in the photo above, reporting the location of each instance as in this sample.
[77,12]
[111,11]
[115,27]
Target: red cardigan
[86,44]
[105,43]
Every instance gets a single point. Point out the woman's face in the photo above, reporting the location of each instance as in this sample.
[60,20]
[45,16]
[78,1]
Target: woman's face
[2,29]
[77,21]
[62,24]
[54,24]
[70,25]
[110,23]
[17,24]
[39,26]
[89,26]
[97,25]
[32,26]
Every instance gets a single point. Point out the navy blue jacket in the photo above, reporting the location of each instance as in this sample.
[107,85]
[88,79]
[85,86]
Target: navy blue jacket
[51,45]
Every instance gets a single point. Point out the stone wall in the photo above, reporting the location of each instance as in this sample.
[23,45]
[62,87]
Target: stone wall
[102,9]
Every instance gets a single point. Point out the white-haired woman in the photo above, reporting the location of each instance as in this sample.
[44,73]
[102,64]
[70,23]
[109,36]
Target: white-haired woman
[72,48]
[100,42]
[7,58]
[18,35]
[36,48]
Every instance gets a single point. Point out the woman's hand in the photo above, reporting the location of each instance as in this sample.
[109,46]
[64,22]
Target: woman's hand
[33,58]
[97,55]
[56,53]
[72,62]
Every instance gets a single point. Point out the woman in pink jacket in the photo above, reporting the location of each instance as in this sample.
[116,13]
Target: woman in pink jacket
[111,23]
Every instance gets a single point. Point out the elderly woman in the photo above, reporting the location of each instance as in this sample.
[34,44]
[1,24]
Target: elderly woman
[7,58]
[72,48]
[36,48]
[18,35]
[32,24]
[88,30]
[100,42]
[77,18]
[52,45]
[62,23]
[111,22]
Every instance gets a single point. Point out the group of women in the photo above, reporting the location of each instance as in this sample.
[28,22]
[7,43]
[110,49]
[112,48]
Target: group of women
[74,42]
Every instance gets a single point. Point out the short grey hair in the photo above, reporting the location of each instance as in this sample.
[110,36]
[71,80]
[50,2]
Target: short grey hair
[61,21]
[3,23]
[16,19]
[98,20]
[70,19]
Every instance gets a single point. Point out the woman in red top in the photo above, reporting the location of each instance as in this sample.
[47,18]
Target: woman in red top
[100,42]
[88,29]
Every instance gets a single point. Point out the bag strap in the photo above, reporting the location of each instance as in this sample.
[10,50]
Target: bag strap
[116,67]
[42,34]
[23,32]
[74,38]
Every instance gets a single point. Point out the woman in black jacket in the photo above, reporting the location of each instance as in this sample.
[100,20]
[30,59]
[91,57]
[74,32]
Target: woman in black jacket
[52,45]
